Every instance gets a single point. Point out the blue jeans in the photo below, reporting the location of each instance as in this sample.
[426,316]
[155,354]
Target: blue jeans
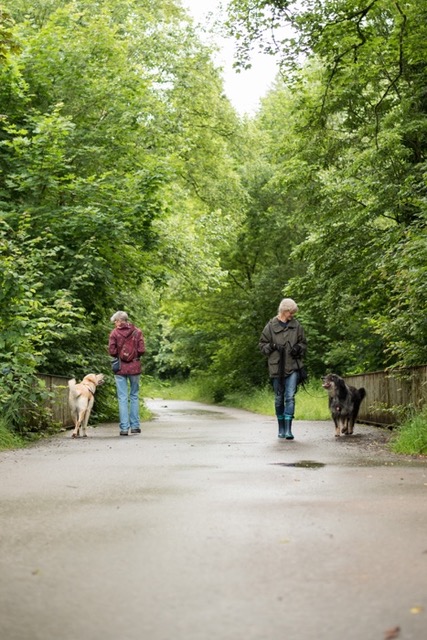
[128,404]
[284,395]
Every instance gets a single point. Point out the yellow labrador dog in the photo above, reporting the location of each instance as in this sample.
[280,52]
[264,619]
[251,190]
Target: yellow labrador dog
[81,397]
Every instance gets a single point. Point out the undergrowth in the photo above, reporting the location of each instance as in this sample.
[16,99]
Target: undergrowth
[9,440]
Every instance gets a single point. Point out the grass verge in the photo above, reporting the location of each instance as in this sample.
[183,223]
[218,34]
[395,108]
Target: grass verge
[411,437]
[311,402]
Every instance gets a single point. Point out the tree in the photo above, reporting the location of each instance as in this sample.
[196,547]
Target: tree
[117,143]
[353,159]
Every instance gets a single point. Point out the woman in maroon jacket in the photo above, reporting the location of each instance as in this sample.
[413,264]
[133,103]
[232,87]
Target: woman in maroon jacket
[127,377]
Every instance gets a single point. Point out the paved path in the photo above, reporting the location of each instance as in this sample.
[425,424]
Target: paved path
[205,527]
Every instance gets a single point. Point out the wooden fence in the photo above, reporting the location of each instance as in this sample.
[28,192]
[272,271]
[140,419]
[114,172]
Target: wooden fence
[390,395]
[58,385]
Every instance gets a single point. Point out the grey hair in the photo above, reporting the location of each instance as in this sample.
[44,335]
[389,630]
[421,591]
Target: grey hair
[287,304]
[119,315]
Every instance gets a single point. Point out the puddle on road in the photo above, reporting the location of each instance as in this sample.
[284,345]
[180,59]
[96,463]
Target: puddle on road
[311,464]
[305,464]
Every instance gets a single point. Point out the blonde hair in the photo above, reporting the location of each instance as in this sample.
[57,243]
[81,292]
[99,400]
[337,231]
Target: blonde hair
[287,304]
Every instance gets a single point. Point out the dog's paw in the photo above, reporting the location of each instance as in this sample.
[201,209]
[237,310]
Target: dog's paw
[75,435]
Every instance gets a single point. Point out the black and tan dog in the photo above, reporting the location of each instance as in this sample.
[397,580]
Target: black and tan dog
[344,403]
[81,398]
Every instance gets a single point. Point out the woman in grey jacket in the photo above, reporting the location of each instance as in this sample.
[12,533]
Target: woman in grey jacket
[283,342]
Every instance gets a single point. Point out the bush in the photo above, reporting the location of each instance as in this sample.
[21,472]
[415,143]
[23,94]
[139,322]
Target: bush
[24,402]
[8,440]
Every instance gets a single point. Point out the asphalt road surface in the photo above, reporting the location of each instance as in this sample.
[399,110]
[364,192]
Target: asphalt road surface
[207,527]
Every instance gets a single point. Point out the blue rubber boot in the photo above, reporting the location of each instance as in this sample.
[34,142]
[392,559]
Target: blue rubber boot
[288,428]
[282,433]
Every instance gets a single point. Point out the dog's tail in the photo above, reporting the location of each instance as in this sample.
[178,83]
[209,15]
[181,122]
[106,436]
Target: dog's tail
[362,393]
[72,384]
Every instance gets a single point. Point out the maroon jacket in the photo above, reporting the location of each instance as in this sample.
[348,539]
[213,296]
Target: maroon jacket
[115,343]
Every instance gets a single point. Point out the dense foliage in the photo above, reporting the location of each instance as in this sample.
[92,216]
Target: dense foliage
[114,146]
[348,142]
[334,169]
[128,181]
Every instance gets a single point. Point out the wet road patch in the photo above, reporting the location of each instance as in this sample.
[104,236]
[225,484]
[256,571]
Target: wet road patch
[304,464]
[200,412]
